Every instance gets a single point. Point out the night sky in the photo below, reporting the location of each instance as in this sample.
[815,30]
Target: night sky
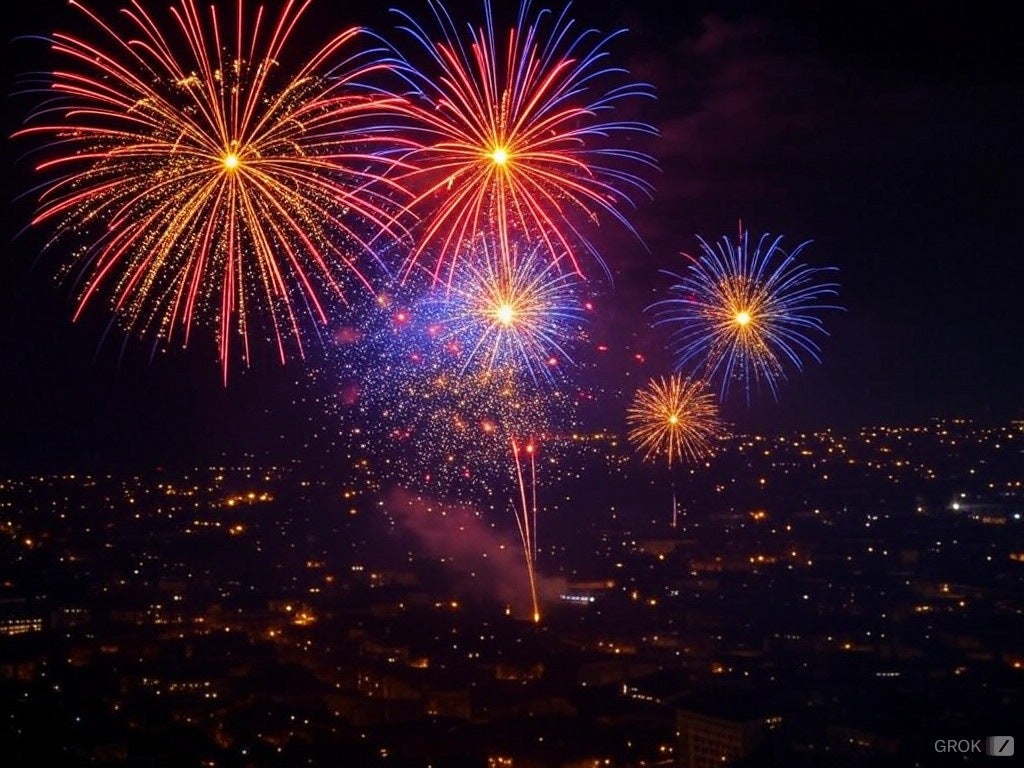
[891,138]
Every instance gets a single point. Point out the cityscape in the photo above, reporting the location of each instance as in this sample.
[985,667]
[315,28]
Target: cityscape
[824,599]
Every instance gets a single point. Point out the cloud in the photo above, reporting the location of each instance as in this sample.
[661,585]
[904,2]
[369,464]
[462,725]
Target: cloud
[746,114]
[737,113]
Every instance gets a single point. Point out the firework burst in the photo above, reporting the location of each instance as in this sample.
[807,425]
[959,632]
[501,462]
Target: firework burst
[512,312]
[676,418]
[744,315]
[513,135]
[210,185]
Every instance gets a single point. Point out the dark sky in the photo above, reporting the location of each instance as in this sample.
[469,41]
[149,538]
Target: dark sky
[891,137]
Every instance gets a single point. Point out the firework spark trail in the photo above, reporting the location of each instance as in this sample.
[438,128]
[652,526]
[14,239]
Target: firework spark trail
[531,451]
[744,314]
[522,515]
[512,135]
[203,184]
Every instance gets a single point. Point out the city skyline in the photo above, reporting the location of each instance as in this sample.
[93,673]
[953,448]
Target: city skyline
[826,599]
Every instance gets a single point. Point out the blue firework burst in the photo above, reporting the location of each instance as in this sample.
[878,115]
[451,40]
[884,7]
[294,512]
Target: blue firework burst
[745,315]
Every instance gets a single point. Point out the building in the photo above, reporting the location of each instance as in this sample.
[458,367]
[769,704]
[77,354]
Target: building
[720,732]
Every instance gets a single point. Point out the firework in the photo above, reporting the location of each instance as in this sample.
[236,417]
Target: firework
[511,312]
[211,185]
[526,522]
[513,135]
[676,418]
[744,315]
